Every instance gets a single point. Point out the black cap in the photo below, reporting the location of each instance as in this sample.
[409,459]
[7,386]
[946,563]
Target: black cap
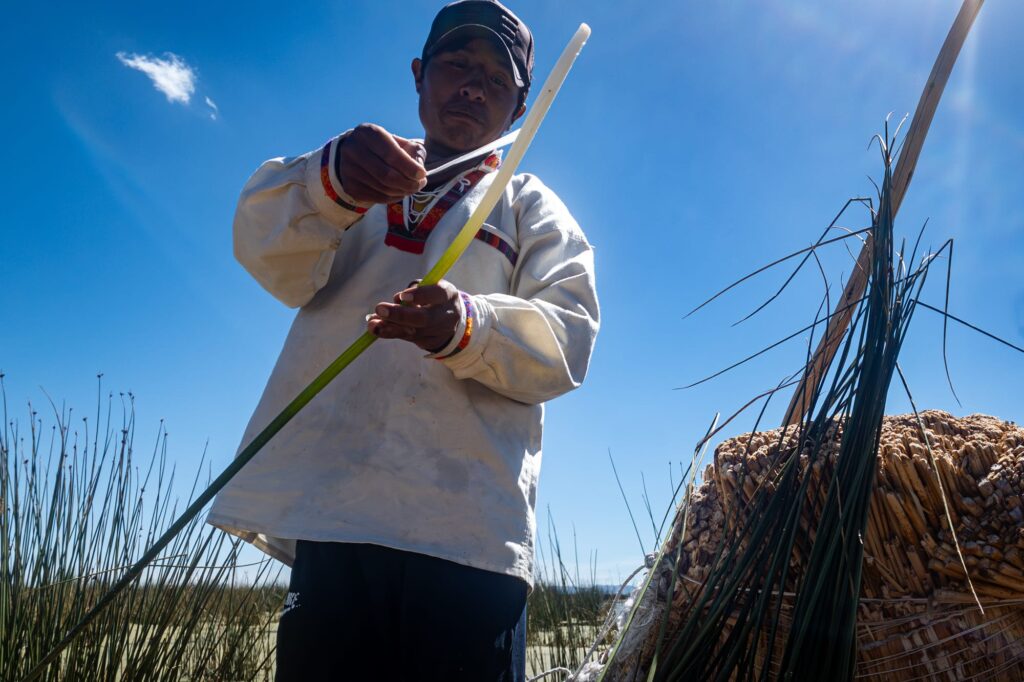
[488,19]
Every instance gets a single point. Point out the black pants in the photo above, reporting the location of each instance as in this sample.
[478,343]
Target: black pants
[365,612]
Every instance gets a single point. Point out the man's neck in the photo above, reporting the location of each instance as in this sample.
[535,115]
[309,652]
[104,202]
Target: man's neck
[438,153]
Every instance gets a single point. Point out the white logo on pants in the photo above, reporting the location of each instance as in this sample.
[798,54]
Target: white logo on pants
[291,602]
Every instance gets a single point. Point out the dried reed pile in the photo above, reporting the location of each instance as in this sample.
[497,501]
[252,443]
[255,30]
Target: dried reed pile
[827,550]
[917,618]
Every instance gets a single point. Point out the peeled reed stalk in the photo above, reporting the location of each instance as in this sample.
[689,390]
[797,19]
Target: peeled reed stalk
[923,115]
[448,258]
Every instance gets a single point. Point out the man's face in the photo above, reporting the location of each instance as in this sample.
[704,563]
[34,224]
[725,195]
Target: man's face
[467,96]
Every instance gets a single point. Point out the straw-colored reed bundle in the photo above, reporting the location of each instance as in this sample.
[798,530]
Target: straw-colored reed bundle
[917,618]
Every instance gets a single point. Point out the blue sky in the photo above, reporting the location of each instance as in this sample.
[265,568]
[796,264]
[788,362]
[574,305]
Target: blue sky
[693,142]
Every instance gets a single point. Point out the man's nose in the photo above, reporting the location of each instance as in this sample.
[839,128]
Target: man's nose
[473,88]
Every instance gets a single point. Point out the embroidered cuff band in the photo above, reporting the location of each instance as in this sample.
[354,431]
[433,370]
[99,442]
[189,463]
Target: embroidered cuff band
[467,305]
[328,159]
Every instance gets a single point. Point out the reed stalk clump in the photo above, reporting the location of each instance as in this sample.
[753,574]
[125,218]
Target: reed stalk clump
[79,504]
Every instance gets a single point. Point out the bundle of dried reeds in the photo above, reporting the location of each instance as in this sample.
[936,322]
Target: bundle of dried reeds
[917,618]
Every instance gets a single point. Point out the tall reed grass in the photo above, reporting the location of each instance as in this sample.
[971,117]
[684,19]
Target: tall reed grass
[79,504]
[564,611]
[570,615]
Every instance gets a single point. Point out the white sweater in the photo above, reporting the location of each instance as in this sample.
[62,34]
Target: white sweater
[439,457]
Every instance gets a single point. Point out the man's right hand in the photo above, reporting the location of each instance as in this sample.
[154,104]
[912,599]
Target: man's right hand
[374,165]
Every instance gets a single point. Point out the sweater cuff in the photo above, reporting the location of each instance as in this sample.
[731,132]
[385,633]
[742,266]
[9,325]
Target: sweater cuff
[325,188]
[463,330]
[465,349]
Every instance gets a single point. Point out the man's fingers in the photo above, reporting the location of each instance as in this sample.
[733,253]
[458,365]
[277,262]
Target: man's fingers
[426,316]
[387,148]
[360,191]
[397,298]
[430,340]
[433,294]
[389,178]
[387,330]
[360,173]
[409,316]
[414,149]
[390,167]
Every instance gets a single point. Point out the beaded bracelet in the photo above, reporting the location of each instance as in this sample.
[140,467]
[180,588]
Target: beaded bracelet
[464,341]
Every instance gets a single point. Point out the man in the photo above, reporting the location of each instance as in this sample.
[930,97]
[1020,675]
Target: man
[403,495]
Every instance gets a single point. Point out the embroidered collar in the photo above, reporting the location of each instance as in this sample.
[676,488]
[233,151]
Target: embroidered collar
[411,236]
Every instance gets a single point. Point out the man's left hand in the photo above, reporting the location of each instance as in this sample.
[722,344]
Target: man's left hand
[426,316]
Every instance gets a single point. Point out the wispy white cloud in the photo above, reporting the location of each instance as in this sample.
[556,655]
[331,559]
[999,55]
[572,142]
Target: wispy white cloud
[213,106]
[170,75]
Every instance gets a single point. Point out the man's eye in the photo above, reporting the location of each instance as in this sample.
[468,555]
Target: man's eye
[499,81]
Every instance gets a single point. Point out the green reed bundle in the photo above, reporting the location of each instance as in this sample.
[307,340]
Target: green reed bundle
[740,596]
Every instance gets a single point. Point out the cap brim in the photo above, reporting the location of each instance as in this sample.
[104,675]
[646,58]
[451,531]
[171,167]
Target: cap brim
[481,31]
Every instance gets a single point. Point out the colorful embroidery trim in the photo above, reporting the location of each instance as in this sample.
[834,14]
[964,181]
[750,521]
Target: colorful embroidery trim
[413,240]
[325,180]
[470,317]
[500,244]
